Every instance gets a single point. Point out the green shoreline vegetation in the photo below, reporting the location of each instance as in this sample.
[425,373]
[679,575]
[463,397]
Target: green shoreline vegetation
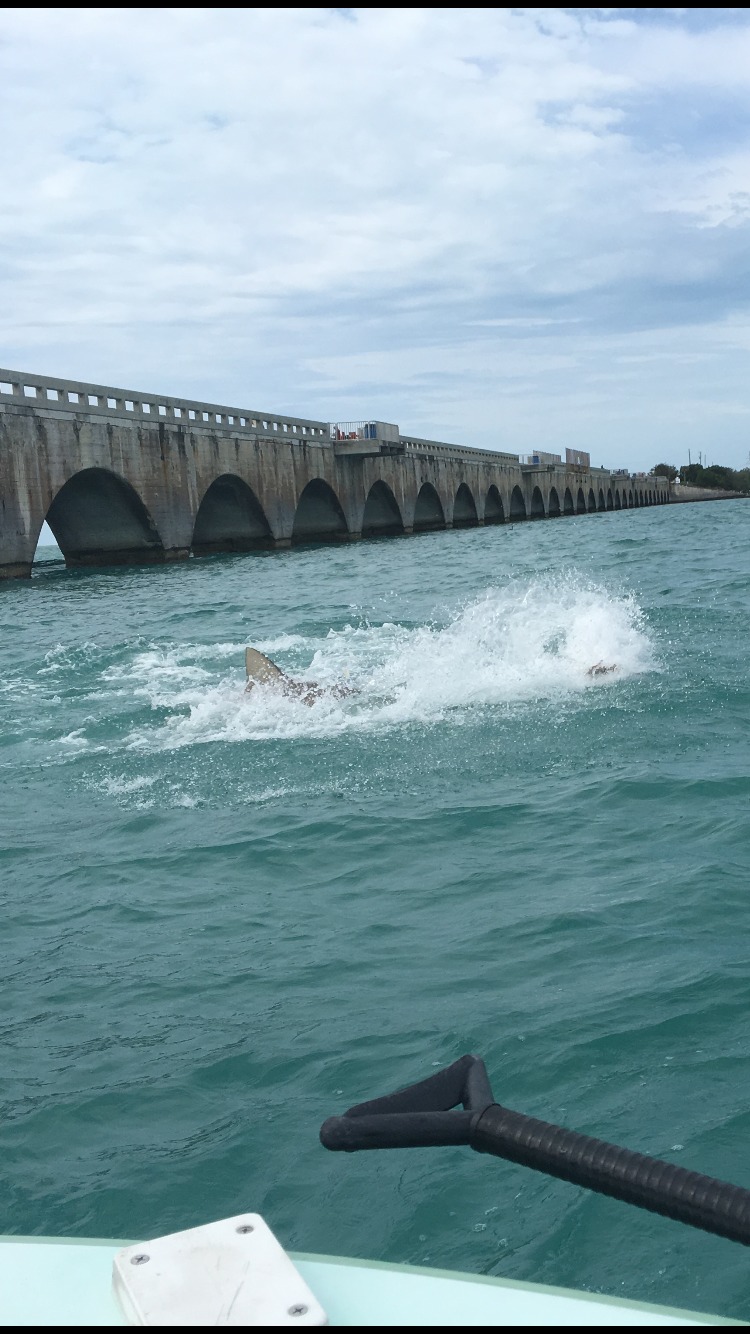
[717,477]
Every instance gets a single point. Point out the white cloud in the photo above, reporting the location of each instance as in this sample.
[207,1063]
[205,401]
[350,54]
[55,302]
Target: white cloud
[470,221]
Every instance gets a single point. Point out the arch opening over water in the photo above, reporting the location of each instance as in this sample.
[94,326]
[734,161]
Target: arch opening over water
[428,511]
[97,518]
[630,497]
[493,507]
[464,508]
[382,517]
[610,499]
[517,504]
[618,502]
[569,507]
[319,516]
[230,518]
[600,503]
[591,504]
[537,504]
[554,503]
[581,502]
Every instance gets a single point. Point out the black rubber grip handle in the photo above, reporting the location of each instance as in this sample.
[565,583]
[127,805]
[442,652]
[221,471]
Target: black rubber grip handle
[663,1188]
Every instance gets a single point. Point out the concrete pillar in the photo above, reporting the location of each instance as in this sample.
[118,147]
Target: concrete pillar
[17,570]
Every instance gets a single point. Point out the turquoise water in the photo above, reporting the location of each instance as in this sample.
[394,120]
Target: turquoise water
[227,917]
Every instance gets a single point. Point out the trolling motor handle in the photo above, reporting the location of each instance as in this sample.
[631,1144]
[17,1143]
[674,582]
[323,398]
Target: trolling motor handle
[416,1117]
[420,1116]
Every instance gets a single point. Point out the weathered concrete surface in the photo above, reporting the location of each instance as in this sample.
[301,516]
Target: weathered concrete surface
[680,494]
[117,484]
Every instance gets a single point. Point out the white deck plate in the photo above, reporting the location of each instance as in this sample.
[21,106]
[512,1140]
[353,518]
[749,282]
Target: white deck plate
[230,1273]
[49,1281]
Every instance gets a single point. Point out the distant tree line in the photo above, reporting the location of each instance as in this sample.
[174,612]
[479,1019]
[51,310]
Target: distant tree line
[716,477]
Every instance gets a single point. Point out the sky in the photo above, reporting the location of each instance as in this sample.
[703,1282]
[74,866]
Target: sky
[512,228]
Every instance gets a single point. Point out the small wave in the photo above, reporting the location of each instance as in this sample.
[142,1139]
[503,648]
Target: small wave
[282,643]
[515,644]
[74,740]
[70,658]
[122,787]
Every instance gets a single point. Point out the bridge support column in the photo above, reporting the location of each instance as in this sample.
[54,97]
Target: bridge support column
[18,570]
[282,543]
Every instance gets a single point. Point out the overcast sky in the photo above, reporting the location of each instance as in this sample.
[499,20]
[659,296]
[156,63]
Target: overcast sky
[512,228]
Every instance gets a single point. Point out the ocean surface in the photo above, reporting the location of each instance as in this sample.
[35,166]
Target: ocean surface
[226,917]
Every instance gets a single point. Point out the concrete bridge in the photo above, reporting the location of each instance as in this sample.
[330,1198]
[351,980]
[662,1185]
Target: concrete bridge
[125,477]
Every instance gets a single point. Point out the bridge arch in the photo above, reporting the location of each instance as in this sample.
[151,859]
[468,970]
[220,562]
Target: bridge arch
[537,504]
[554,503]
[568,507]
[591,505]
[600,505]
[610,499]
[517,504]
[319,516]
[230,518]
[382,516]
[98,518]
[428,511]
[581,502]
[464,508]
[493,507]
[618,502]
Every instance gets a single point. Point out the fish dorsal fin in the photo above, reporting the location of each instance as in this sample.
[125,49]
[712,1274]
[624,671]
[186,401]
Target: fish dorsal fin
[260,669]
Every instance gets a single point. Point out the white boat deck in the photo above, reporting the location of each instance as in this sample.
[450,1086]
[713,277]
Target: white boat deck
[47,1281]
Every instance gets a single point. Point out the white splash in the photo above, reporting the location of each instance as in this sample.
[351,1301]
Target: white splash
[518,643]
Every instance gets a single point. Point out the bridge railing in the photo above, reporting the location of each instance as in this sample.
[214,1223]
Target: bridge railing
[438,449]
[55,395]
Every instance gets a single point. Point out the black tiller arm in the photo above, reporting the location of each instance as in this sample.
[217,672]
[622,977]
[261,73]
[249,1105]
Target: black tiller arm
[422,1116]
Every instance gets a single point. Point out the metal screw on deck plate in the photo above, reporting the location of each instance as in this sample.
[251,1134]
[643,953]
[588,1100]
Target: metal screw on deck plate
[139,1259]
[297,1310]
[245,1227]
